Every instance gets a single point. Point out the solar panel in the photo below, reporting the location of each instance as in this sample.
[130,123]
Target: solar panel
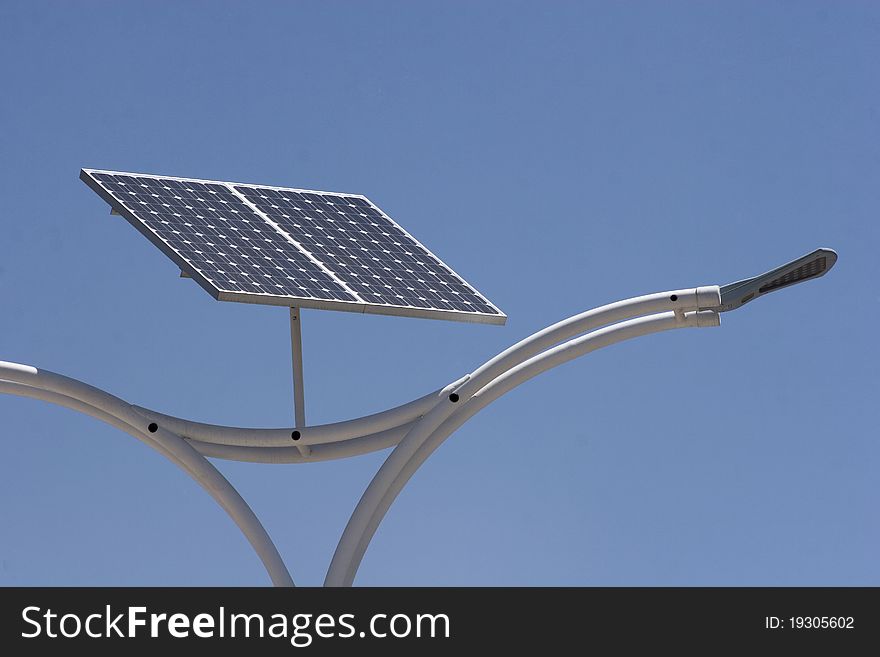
[291,247]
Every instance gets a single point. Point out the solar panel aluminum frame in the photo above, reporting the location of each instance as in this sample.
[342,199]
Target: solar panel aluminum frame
[86,175]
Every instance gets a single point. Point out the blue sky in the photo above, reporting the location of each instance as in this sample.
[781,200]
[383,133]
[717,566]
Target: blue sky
[559,156]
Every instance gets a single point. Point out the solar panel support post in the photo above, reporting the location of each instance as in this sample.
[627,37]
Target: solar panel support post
[299,396]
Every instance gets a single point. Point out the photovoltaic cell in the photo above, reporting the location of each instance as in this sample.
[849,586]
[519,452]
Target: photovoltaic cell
[213,231]
[279,246]
[366,250]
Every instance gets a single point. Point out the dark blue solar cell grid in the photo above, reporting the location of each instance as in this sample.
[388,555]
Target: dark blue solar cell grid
[222,238]
[367,251]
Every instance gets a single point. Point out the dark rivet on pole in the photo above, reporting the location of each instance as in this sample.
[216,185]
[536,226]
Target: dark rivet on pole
[674,297]
[153,428]
[295,435]
[453,397]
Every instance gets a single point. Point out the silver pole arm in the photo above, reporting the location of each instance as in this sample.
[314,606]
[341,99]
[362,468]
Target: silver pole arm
[348,553]
[410,427]
[511,379]
[102,405]
[681,301]
[316,435]
[415,429]
[326,452]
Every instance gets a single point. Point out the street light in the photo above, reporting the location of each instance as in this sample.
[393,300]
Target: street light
[413,430]
[813,265]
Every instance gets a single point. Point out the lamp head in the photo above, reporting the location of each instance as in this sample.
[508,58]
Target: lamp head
[813,265]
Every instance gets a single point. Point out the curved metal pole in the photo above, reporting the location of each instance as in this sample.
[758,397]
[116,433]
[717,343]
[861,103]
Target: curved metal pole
[330,451]
[366,519]
[168,444]
[513,378]
[686,300]
[678,301]
[22,390]
[408,426]
[416,428]
[316,435]
[406,414]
